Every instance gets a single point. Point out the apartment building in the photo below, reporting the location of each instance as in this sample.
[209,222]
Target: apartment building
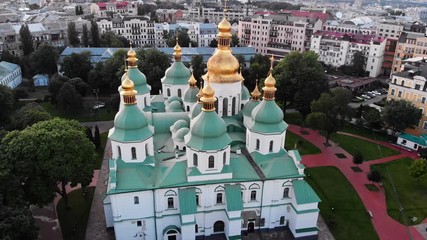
[102,9]
[137,29]
[390,49]
[389,29]
[337,49]
[279,34]
[405,49]
[410,85]
[169,15]
[216,14]
[200,33]
[347,28]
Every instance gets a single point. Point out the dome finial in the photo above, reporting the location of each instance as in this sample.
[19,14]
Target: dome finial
[225,9]
[208,98]
[177,51]
[270,84]
[256,93]
[192,81]
[128,91]
[200,94]
[126,64]
[131,56]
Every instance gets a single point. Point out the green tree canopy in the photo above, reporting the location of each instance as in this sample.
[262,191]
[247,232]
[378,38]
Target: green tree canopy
[112,70]
[55,84]
[17,222]
[85,36]
[69,98]
[418,169]
[330,111]
[300,79]
[400,114]
[358,158]
[110,39]
[44,59]
[154,64]
[81,87]
[6,105]
[358,64]
[234,40]
[77,65]
[374,176]
[198,67]
[47,153]
[94,34]
[28,115]
[73,39]
[183,38]
[26,40]
[372,118]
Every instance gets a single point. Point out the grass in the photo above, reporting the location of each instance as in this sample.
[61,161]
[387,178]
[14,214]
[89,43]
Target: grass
[81,116]
[351,128]
[303,146]
[411,194]
[76,216]
[369,150]
[372,187]
[293,118]
[100,151]
[349,217]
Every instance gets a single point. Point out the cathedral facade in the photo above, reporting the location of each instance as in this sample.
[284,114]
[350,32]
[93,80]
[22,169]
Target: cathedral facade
[199,162]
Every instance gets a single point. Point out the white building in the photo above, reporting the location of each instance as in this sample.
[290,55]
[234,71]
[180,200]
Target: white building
[101,9]
[337,49]
[177,170]
[389,29]
[10,74]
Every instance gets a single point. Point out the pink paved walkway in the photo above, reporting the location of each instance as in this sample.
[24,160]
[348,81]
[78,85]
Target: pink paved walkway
[386,227]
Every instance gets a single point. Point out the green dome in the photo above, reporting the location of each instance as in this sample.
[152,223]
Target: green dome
[179,124]
[245,93]
[196,111]
[249,106]
[177,74]
[174,98]
[191,94]
[130,125]
[181,133]
[138,79]
[268,118]
[175,106]
[208,132]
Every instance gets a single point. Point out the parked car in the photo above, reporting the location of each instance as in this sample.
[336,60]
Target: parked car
[365,96]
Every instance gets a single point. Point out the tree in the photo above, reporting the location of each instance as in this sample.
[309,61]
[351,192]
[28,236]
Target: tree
[330,112]
[154,65]
[112,71]
[358,64]
[17,222]
[373,118]
[55,85]
[85,36]
[97,138]
[258,68]
[73,39]
[300,79]
[44,59]
[47,153]
[94,33]
[213,43]
[26,40]
[81,87]
[234,40]
[418,169]
[358,158]
[198,66]
[110,39]
[89,134]
[183,38]
[28,115]
[69,98]
[422,152]
[400,114]
[6,104]
[374,176]
[95,79]
[77,65]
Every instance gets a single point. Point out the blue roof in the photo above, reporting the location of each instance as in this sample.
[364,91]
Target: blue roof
[421,140]
[8,66]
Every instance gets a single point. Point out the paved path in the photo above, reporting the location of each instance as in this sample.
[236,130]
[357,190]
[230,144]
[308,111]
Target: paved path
[386,227]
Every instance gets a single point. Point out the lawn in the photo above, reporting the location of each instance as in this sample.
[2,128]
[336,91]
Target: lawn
[351,128]
[293,118]
[349,219]
[100,151]
[411,194]
[76,216]
[303,146]
[81,116]
[369,150]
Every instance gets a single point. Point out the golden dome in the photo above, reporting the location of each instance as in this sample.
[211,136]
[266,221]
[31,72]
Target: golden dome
[200,94]
[177,51]
[270,84]
[256,93]
[208,99]
[131,57]
[192,81]
[127,84]
[128,91]
[224,25]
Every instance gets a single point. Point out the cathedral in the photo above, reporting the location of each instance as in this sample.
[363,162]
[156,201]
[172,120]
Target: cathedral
[204,162]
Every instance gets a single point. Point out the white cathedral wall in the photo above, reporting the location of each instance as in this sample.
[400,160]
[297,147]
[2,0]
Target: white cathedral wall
[189,106]
[264,142]
[169,90]
[143,149]
[228,90]
[203,159]
[129,229]
[164,222]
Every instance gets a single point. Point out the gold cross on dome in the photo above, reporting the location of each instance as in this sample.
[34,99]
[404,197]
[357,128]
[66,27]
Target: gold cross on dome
[225,8]
[271,61]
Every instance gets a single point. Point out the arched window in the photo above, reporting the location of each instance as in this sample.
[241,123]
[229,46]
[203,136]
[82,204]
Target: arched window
[225,107]
[253,195]
[119,151]
[219,226]
[196,228]
[188,108]
[286,192]
[271,146]
[211,162]
[195,160]
[170,202]
[282,220]
[168,92]
[197,200]
[179,92]
[224,160]
[133,153]
[216,106]
[257,145]
[146,150]
[219,198]
[136,200]
[403,83]
[233,106]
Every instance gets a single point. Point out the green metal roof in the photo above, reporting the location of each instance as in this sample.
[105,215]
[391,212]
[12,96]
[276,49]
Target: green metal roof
[276,165]
[208,132]
[196,111]
[139,80]
[233,197]
[163,121]
[176,106]
[245,93]
[268,118]
[249,106]
[297,155]
[130,125]
[190,94]
[304,193]
[187,201]
[419,140]
[177,74]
